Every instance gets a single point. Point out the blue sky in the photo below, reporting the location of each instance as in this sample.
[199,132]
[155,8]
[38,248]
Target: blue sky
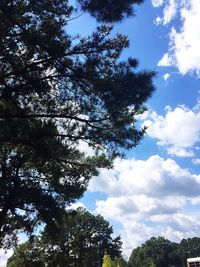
[155,190]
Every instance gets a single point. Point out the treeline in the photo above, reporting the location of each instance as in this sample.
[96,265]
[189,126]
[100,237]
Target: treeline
[86,240]
[160,252]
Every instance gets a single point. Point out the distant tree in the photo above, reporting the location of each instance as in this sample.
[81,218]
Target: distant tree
[56,92]
[121,262]
[137,258]
[161,252]
[188,248]
[81,242]
[158,251]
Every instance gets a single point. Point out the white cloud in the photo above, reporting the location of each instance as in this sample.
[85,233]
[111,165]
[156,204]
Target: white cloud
[179,152]
[134,234]
[158,21]
[169,11]
[84,147]
[149,198]
[166,61]
[75,206]
[196,161]
[4,256]
[184,42]
[157,3]
[139,207]
[153,177]
[166,76]
[178,130]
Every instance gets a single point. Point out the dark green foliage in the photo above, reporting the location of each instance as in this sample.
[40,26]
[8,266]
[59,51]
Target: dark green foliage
[55,92]
[189,248]
[160,252]
[109,11]
[122,262]
[81,242]
[27,254]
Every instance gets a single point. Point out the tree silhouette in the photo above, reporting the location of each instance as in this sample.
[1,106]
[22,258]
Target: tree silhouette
[57,92]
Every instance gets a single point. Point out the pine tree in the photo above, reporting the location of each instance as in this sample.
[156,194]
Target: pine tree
[56,92]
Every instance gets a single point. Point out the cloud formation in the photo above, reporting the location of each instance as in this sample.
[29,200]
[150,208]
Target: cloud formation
[178,130]
[149,198]
[184,40]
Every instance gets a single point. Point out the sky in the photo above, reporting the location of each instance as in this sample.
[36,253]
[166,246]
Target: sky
[155,189]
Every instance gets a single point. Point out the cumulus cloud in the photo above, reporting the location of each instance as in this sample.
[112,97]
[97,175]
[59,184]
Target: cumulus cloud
[153,176]
[149,198]
[139,207]
[184,42]
[178,130]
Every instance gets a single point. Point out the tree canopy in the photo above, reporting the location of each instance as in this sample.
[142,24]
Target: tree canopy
[26,255]
[58,91]
[160,252]
[87,244]
[81,242]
